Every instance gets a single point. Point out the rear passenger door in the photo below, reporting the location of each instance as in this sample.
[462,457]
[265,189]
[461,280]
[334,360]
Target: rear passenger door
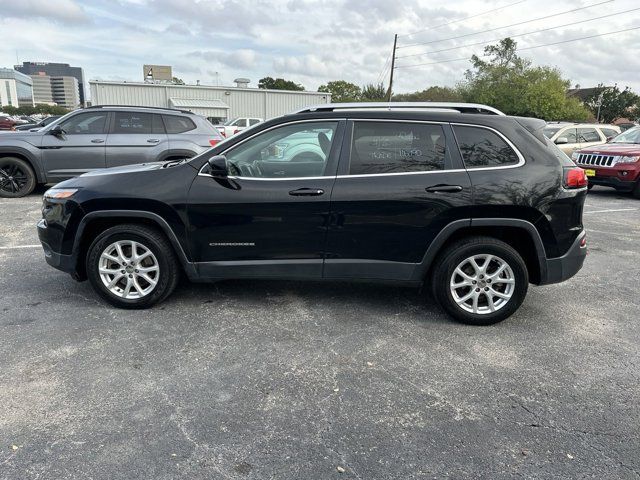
[588,136]
[135,137]
[399,183]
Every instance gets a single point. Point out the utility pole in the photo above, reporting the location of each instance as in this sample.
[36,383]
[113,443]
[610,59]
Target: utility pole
[393,65]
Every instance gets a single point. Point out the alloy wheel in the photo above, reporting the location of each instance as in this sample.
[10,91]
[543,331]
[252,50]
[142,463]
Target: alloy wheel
[128,269]
[482,284]
[12,178]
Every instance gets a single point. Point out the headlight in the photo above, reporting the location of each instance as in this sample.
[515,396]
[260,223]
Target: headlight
[574,156]
[60,192]
[627,159]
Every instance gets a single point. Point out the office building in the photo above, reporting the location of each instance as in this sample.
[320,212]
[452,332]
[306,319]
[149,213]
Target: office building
[16,89]
[55,70]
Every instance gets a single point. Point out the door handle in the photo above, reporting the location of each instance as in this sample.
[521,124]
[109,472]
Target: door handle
[306,192]
[97,140]
[153,140]
[444,189]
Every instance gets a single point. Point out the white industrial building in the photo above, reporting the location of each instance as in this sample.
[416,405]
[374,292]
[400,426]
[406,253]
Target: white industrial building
[216,103]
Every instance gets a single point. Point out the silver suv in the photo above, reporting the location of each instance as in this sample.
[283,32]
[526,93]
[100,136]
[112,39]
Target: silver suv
[99,137]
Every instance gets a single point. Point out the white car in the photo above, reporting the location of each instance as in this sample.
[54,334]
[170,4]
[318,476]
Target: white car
[233,126]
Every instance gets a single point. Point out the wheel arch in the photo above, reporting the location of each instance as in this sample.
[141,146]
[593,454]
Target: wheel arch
[519,234]
[25,155]
[96,222]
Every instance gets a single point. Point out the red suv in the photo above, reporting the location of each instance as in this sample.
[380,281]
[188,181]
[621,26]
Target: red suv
[6,123]
[615,164]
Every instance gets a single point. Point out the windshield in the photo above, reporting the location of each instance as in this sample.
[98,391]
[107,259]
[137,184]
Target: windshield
[630,136]
[550,131]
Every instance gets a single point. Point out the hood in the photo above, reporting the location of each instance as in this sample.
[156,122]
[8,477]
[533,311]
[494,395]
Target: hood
[613,149]
[138,167]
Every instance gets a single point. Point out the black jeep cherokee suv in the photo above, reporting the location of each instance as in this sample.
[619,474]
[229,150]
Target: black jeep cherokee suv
[472,203]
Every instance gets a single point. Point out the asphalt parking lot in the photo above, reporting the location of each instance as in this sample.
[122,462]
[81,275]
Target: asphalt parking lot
[260,380]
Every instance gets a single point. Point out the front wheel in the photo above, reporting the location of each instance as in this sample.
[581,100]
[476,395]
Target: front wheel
[636,190]
[480,281]
[132,266]
[17,178]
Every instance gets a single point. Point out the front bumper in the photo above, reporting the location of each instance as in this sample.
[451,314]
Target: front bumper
[65,263]
[562,268]
[622,177]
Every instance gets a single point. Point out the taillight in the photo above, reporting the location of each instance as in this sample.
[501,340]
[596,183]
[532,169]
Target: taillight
[575,177]
[214,141]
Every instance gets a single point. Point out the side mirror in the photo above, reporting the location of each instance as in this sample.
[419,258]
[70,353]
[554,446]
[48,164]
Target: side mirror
[218,166]
[58,131]
[562,140]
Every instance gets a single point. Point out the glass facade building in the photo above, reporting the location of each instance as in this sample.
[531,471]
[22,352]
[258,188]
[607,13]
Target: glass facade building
[18,88]
[55,70]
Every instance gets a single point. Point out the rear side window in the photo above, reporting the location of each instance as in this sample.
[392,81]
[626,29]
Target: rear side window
[176,124]
[587,135]
[609,132]
[396,147]
[253,122]
[481,147]
[140,123]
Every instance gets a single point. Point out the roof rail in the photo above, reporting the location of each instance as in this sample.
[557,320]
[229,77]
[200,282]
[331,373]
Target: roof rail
[140,106]
[458,107]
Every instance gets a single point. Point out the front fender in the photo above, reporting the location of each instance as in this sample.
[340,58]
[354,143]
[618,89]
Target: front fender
[27,152]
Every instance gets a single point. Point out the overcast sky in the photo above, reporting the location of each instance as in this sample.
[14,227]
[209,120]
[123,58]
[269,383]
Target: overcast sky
[314,41]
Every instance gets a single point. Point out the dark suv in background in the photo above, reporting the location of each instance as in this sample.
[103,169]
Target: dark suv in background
[99,137]
[474,204]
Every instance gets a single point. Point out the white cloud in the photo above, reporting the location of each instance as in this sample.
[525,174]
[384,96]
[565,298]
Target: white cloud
[65,11]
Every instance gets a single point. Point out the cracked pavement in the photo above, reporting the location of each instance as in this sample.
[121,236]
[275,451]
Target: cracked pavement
[264,379]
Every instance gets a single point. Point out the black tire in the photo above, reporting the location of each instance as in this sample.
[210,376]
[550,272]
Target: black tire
[151,239]
[589,186]
[17,178]
[636,190]
[454,255]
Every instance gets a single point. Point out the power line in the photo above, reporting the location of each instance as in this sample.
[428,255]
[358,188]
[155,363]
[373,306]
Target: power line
[524,48]
[384,69]
[462,19]
[486,42]
[506,26]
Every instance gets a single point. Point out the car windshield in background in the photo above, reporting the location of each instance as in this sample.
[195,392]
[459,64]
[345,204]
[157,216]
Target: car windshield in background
[550,131]
[630,136]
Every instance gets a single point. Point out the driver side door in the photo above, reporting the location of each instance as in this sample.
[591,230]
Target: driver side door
[269,218]
[79,150]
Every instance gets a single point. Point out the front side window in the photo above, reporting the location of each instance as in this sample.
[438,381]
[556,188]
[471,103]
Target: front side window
[481,147]
[86,123]
[570,134]
[588,135]
[295,150]
[396,147]
[177,124]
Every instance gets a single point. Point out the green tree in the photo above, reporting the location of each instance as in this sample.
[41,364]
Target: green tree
[342,91]
[373,93]
[614,103]
[431,94]
[511,84]
[40,108]
[279,84]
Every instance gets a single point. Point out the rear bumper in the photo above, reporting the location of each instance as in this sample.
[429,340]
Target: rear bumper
[65,263]
[562,268]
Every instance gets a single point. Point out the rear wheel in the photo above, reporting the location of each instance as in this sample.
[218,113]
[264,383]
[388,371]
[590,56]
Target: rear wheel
[132,266]
[480,281]
[17,178]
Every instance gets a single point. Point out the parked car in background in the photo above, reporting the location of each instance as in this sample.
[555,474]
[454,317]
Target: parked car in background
[570,137]
[37,125]
[7,123]
[236,125]
[615,164]
[475,206]
[99,137]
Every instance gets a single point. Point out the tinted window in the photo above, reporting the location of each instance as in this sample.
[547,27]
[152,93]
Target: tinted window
[483,148]
[253,122]
[587,135]
[86,123]
[296,150]
[132,122]
[176,124]
[394,147]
